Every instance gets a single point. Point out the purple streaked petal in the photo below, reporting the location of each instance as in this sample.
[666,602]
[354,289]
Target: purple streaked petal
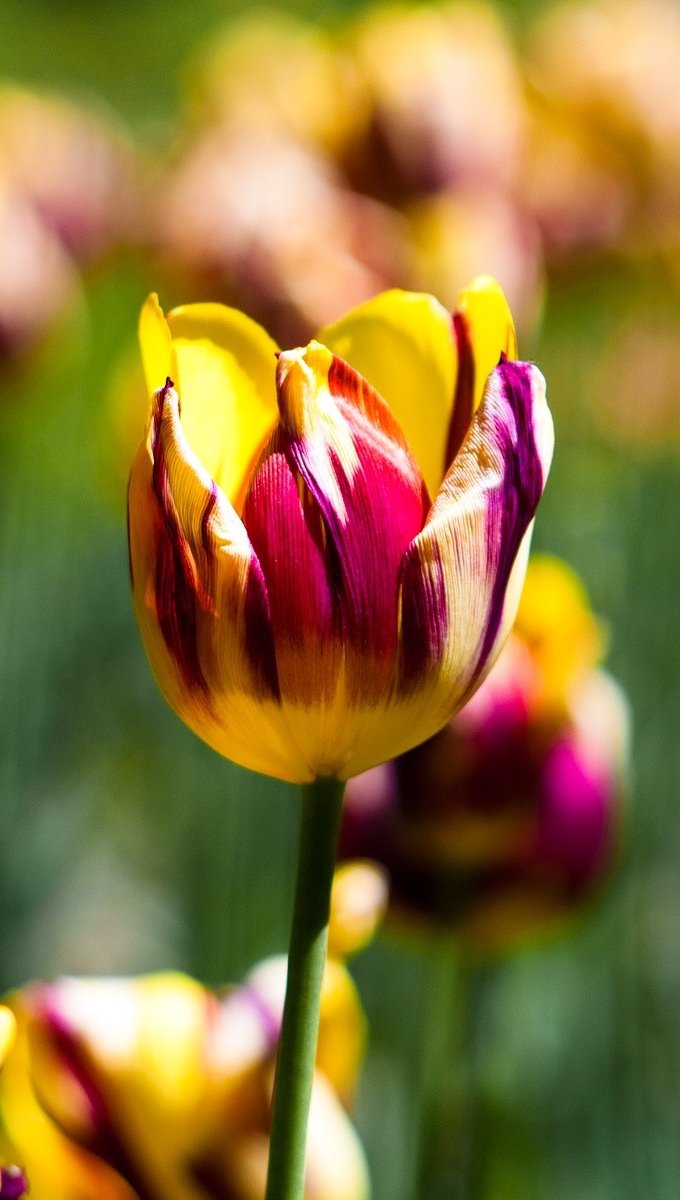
[485,335]
[464,398]
[512,507]
[335,502]
[104,1135]
[459,584]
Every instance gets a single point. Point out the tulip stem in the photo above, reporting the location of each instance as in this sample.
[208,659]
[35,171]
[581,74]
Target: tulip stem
[319,829]
[449,1153]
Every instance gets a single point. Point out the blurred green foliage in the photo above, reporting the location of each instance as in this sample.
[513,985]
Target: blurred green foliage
[126,845]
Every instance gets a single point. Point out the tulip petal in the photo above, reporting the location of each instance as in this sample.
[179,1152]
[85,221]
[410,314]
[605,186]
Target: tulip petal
[119,1068]
[7,1030]
[202,603]
[223,365]
[332,507]
[403,344]
[484,332]
[463,574]
[155,340]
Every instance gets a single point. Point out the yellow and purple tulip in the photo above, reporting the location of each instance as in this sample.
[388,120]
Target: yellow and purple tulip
[155,1089]
[508,820]
[327,544]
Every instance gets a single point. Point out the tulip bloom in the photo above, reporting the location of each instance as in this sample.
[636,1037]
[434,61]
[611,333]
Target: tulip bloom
[327,544]
[156,1089]
[508,820]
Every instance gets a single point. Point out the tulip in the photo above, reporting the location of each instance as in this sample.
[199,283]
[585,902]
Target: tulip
[307,608]
[77,170]
[508,821]
[607,69]
[38,281]
[157,1089]
[297,254]
[440,94]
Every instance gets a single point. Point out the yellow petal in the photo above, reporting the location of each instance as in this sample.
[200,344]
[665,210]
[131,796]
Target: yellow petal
[223,366]
[484,330]
[463,574]
[335,1167]
[225,376]
[556,622]
[403,344]
[358,904]
[487,314]
[155,342]
[7,1030]
[58,1169]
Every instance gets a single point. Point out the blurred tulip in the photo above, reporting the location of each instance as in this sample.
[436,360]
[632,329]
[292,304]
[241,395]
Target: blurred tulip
[508,820]
[38,281]
[258,219]
[305,608]
[610,66]
[155,1089]
[358,905]
[443,101]
[273,73]
[577,190]
[78,173]
[457,233]
[641,358]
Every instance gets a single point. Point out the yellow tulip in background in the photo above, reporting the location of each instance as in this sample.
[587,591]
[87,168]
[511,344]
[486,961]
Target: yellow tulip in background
[508,821]
[157,1088]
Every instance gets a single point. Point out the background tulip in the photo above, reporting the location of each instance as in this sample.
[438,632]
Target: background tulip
[509,819]
[155,1088]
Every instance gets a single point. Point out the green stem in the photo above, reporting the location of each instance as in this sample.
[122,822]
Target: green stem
[449,1161]
[441,1010]
[320,825]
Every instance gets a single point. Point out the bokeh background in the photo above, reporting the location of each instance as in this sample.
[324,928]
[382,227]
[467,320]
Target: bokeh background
[125,844]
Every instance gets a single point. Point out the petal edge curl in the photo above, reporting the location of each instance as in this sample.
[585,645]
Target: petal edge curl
[403,344]
[202,604]
[462,575]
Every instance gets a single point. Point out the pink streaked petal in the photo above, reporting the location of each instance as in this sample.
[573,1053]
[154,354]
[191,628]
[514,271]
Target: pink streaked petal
[202,603]
[288,537]
[333,506]
[462,575]
[206,567]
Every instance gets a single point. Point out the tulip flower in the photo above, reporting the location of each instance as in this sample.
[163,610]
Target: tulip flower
[507,821]
[156,1089]
[77,170]
[327,544]
[326,549]
[440,94]
[296,254]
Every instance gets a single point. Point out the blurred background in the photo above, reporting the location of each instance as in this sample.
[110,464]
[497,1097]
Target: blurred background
[294,164]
